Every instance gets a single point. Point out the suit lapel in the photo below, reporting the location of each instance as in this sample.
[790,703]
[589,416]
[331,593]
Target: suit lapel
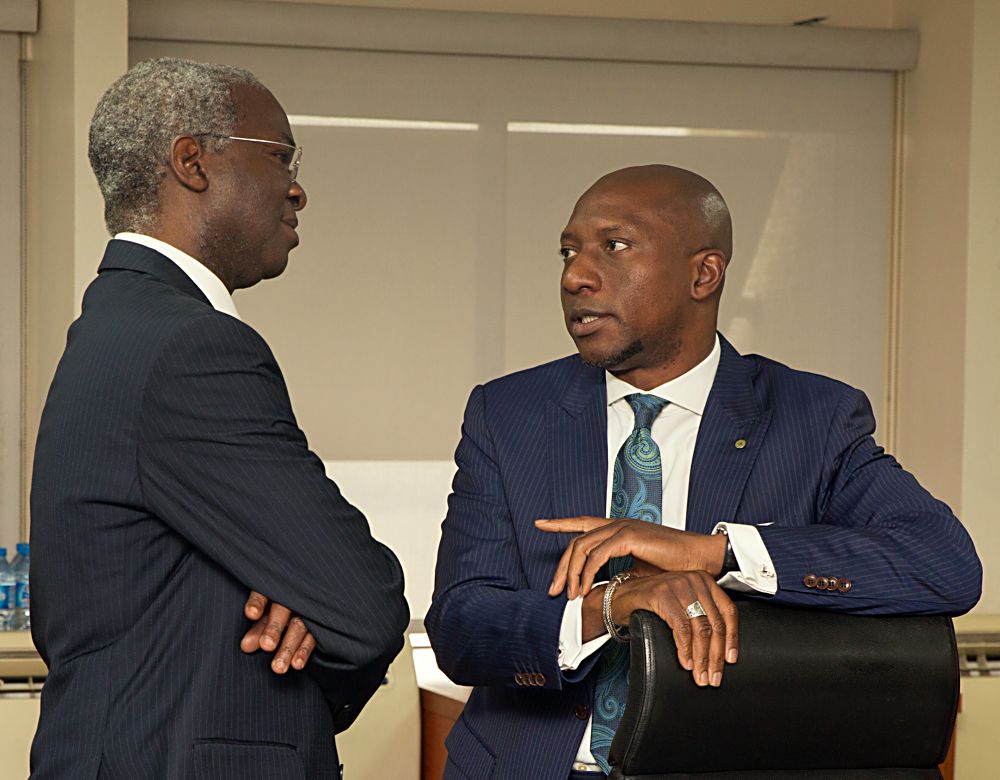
[729,439]
[578,447]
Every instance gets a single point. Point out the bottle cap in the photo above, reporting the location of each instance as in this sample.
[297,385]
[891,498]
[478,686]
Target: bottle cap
[3,551]
[22,548]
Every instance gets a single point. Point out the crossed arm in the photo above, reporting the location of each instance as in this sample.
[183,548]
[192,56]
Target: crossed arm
[906,551]
[277,630]
[872,517]
[673,569]
[223,463]
[487,621]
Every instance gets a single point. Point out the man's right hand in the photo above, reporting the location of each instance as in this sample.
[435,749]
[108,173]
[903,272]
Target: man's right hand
[704,644]
[277,629]
[600,539]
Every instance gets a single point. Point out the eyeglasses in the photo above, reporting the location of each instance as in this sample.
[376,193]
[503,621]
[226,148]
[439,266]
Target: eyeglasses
[293,163]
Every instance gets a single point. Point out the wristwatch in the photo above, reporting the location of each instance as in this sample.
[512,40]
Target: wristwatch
[729,562]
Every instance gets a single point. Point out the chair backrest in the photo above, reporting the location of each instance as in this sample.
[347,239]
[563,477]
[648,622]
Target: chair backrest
[814,694]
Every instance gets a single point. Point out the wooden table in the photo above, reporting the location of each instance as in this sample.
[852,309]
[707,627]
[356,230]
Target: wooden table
[437,715]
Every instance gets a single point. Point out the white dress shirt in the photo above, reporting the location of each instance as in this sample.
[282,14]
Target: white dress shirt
[675,431]
[205,280]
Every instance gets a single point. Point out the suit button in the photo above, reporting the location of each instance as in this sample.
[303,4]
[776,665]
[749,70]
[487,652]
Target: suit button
[809,580]
[582,712]
[844,586]
[832,585]
[519,678]
[539,680]
[822,583]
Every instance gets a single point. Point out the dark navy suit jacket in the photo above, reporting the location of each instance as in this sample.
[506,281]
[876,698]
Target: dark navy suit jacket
[170,477]
[534,445]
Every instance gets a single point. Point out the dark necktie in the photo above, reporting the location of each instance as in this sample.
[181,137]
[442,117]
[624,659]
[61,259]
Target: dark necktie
[636,492]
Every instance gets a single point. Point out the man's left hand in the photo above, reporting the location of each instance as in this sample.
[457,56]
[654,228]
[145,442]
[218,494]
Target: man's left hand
[277,629]
[601,539]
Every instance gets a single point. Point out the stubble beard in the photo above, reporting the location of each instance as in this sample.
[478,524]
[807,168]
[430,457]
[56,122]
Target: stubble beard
[616,359]
[666,353]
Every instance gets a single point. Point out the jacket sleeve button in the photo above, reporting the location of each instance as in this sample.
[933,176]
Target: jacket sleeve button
[809,580]
[844,585]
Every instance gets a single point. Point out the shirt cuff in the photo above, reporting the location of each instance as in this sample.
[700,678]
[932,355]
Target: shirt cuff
[573,651]
[756,572]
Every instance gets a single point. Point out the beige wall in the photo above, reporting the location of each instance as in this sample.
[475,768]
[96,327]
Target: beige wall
[841,13]
[947,405]
[11,268]
[947,366]
[934,246]
[80,48]
[981,443]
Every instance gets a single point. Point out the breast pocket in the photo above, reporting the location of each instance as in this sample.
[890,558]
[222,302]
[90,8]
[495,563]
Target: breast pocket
[221,759]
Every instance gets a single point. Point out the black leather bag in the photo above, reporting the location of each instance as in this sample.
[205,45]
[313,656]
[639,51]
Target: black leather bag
[814,694]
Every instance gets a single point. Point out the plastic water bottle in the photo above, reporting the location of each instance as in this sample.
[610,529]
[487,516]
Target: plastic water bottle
[22,591]
[7,587]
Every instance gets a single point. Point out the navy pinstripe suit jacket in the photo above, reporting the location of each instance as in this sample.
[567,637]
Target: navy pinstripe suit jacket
[534,445]
[170,476]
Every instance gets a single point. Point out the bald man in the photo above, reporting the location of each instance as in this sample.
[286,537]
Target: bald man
[668,469]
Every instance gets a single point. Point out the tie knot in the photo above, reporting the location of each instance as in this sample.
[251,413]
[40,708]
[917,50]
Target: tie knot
[646,408]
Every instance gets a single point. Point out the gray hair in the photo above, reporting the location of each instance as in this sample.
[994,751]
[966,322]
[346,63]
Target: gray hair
[141,114]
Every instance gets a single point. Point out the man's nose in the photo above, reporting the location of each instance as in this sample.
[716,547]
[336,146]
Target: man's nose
[579,274]
[297,195]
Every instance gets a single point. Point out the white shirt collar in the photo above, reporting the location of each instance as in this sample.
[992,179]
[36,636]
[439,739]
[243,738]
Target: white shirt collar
[689,391]
[204,279]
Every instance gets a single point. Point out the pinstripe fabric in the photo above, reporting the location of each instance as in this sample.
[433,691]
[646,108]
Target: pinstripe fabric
[170,477]
[534,445]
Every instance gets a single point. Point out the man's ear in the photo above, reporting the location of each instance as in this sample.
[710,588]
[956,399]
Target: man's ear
[187,163]
[709,272]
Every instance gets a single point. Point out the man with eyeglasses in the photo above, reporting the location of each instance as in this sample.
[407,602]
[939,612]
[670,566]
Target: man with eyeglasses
[171,479]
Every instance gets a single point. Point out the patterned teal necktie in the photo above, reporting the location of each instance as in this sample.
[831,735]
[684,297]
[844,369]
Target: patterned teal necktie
[636,492]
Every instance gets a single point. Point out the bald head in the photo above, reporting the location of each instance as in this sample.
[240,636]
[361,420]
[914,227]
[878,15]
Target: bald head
[689,202]
[645,254]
